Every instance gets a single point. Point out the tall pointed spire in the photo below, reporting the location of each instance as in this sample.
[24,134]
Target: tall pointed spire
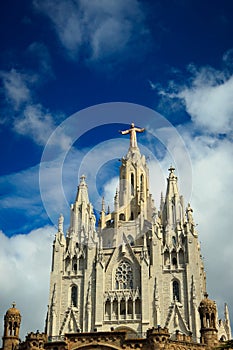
[82,215]
[172,188]
[227,321]
[82,194]
[103,204]
[172,204]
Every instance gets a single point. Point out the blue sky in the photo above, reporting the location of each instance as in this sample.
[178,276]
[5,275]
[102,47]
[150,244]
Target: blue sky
[82,70]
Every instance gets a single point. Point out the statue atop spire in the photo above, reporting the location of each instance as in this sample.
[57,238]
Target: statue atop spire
[132,131]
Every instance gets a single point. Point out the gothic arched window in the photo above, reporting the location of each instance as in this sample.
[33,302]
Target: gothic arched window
[74,264]
[142,182]
[130,240]
[142,185]
[74,296]
[67,263]
[10,328]
[174,240]
[132,184]
[122,217]
[176,291]
[173,214]
[15,328]
[124,276]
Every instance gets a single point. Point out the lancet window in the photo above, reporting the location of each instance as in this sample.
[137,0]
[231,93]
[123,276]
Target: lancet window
[74,296]
[74,264]
[176,291]
[130,240]
[13,328]
[142,186]
[132,184]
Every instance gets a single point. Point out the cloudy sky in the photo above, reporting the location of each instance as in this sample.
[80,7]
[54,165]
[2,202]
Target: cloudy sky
[73,73]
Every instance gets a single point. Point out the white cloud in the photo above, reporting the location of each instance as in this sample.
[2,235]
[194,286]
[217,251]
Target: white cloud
[210,105]
[212,200]
[35,123]
[20,187]
[110,37]
[99,28]
[30,119]
[65,17]
[207,97]
[25,262]
[16,87]
[55,189]
[109,192]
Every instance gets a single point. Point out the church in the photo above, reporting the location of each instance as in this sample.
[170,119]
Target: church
[134,279]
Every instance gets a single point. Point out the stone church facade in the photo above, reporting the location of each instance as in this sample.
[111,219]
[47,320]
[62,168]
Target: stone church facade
[135,280]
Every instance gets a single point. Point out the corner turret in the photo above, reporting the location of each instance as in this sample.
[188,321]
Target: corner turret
[12,322]
[208,315]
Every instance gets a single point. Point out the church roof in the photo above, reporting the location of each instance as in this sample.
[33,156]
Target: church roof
[13,310]
[206,302]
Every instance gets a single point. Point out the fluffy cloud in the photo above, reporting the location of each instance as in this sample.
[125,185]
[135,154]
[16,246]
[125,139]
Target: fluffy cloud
[16,87]
[211,200]
[25,262]
[206,96]
[100,28]
[209,102]
[37,124]
[46,190]
[30,119]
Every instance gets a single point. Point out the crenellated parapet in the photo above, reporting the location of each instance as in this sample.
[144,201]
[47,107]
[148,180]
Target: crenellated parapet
[34,341]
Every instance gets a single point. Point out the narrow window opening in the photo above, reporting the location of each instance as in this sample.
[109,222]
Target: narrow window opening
[131,240]
[132,184]
[81,263]
[176,291]
[122,217]
[74,295]
[142,186]
[174,240]
[122,307]
[15,328]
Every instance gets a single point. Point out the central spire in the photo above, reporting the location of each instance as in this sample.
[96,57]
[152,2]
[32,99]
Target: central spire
[133,136]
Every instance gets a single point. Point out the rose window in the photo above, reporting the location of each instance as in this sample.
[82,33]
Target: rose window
[124,276]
